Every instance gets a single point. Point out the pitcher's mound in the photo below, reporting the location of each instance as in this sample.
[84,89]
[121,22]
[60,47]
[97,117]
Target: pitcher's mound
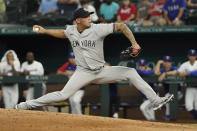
[19,120]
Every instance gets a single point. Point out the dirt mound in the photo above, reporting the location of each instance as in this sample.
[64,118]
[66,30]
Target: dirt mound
[19,120]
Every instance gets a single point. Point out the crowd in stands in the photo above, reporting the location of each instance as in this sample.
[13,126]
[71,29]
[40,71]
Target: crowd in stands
[131,12]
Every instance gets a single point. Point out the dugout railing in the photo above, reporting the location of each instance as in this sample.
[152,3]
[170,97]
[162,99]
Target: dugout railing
[174,81]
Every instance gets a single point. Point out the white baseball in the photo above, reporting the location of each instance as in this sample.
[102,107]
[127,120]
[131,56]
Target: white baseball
[36,29]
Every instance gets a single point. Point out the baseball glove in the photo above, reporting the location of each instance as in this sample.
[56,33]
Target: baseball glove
[129,54]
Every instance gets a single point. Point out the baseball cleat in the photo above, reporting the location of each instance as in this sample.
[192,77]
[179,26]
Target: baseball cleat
[115,115]
[164,100]
[22,106]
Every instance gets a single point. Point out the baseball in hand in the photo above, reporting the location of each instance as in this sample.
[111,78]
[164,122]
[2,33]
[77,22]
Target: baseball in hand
[36,29]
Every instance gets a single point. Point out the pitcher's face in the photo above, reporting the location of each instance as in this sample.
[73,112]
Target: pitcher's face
[86,22]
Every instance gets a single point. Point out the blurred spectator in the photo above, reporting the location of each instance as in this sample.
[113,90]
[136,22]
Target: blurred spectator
[67,6]
[152,1]
[108,11]
[127,13]
[2,10]
[31,67]
[146,106]
[174,12]
[142,11]
[114,100]
[167,69]
[97,4]
[68,69]
[32,6]
[156,16]
[1,95]
[48,6]
[85,4]
[1,98]
[192,4]
[191,12]
[78,1]
[186,69]
[10,66]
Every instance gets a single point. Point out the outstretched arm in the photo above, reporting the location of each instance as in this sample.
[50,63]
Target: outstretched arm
[127,32]
[157,67]
[54,33]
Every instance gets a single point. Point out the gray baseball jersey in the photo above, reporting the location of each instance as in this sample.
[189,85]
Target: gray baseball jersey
[88,45]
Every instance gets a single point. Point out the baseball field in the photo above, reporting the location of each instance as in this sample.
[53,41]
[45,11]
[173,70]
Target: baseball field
[20,120]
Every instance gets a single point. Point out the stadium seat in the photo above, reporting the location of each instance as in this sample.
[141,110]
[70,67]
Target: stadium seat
[191,17]
[15,11]
[61,20]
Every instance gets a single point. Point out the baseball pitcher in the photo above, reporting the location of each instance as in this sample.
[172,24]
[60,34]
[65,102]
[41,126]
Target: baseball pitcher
[86,40]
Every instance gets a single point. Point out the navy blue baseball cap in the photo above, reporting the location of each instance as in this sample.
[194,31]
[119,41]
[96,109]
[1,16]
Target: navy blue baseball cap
[192,52]
[71,55]
[167,58]
[142,62]
[81,13]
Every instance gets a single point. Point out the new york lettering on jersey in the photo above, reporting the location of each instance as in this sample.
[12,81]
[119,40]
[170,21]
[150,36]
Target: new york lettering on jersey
[84,43]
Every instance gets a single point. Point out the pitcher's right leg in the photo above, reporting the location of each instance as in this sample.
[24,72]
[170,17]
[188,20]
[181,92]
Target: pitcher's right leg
[78,80]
